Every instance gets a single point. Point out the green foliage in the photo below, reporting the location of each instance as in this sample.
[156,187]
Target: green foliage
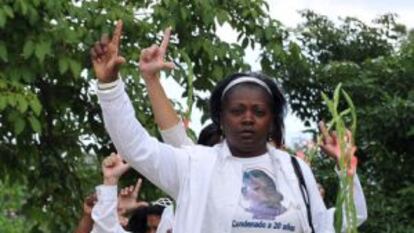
[374,63]
[12,198]
[53,137]
[345,200]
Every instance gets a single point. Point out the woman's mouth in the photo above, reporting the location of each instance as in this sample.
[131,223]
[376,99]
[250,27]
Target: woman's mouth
[246,134]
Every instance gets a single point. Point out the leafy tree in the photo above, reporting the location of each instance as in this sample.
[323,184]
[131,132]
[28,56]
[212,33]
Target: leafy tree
[52,135]
[375,65]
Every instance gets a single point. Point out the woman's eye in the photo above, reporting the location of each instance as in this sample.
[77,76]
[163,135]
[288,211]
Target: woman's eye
[260,112]
[236,111]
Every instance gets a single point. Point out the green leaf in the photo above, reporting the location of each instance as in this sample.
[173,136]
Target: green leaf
[8,11]
[19,125]
[2,19]
[222,16]
[63,65]
[3,51]
[35,123]
[35,106]
[75,67]
[23,7]
[22,104]
[28,49]
[268,33]
[3,102]
[42,49]
[336,96]
[353,113]
[12,100]
[27,74]
[409,133]
[245,42]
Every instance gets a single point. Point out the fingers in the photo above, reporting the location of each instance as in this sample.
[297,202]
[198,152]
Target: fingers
[91,199]
[97,50]
[168,65]
[116,37]
[149,53]
[126,191]
[165,41]
[123,167]
[325,134]
[123,221]
[348,136]
[137,187]
[93,54]
[353,166]
[104,41]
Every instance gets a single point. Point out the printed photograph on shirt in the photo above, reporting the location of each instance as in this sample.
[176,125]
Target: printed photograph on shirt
[260,196]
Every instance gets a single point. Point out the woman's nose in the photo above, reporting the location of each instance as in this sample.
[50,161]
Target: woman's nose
[248,117]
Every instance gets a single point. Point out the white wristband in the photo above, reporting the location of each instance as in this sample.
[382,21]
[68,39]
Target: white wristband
[108,86]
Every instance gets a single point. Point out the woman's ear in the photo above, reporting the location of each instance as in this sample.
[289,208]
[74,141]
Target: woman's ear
[271,132]
[220,126]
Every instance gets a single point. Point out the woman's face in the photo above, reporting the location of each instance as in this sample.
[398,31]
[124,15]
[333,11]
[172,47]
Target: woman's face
[254,191]
[246,119]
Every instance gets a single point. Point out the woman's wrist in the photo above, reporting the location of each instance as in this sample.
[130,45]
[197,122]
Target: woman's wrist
[110,180]
[151,78]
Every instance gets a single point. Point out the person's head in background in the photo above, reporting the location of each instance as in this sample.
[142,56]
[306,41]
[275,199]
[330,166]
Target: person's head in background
[138,221]
[209,135]
[246,86]
[154,213]
[145,219]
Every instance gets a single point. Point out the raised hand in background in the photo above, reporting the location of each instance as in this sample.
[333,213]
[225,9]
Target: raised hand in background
[128,198]
[113,167]
[105,56]
[151,60]
[330,145]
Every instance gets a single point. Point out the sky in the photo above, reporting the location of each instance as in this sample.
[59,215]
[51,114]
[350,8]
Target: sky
[287,13]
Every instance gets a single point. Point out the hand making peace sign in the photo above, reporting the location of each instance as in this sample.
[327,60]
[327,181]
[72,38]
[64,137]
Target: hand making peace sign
[105,56]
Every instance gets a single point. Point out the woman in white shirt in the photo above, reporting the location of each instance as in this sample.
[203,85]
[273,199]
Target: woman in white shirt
[207,182]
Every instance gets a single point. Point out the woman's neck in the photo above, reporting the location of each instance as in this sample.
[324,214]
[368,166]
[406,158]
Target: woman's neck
[247,154]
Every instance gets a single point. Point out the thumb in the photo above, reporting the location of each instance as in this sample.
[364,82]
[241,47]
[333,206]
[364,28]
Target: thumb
[168,66]
[142,204]
[353,166]
[124,167]
[117,62]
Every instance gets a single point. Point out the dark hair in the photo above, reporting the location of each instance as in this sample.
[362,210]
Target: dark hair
[209,135]
[278,103]
[155,210]
[138,221]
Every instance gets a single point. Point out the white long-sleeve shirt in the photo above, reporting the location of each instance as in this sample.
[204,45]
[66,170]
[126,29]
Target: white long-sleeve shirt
[104,213]
[177,137]
[187,173]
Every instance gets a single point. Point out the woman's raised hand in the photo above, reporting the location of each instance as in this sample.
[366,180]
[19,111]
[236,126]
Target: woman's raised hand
[105,56]
[113,167]
[128,198]
[331,147]
[151,60]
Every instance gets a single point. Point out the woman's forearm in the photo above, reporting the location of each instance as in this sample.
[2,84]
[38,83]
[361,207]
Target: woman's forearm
[165,115]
